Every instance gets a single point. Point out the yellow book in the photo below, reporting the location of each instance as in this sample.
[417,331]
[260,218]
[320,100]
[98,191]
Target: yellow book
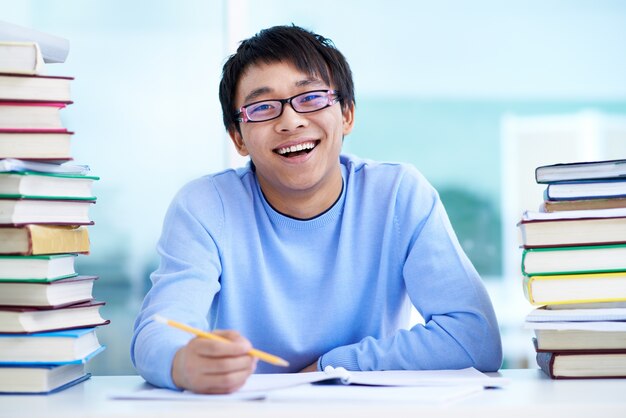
[43,239]
[560,289]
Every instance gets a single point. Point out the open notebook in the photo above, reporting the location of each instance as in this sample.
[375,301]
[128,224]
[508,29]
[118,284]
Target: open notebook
[438,384]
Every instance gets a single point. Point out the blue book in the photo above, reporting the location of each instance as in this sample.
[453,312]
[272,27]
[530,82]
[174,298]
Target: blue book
[40,380]
[76,346]
[587,170]
[589,189]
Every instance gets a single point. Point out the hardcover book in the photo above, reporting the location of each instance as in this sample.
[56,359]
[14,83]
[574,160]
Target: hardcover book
[42,379]
[587,170]
[35,88]
[44,239]
[33,185]
[21,58]
[575,288]
[14,212]
[51,294]
[50,145]
[588,364]
[53,48]
[31,115]
[590,189]
[578,330]
[583,204]
[579,340]
[583,227]
[28,320]
[36,267]
[60,347]
[582,312]
[574,260]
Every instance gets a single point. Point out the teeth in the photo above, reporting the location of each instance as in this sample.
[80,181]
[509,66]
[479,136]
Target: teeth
[295,148]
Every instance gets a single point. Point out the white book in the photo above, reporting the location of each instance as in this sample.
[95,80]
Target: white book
[21,58]
[41,211]
[613,326]
[16,165]
[53,48]
[41,379]
[36,267]
[586,170]
[559,315]
[73,346]
[530,215]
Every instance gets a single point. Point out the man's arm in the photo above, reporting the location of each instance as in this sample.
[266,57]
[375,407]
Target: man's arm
[183,289]
[460,327]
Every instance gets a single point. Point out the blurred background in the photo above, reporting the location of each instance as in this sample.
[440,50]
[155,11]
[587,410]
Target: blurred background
[474,94]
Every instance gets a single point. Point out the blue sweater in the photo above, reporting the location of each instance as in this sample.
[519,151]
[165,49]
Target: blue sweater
[339,286]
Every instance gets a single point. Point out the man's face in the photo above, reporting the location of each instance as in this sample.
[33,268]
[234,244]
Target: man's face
[281,175]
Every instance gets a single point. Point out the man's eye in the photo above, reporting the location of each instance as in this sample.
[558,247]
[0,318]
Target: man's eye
[310,97]
[260,108]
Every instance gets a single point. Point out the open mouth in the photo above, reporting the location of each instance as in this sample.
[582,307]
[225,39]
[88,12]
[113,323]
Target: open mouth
[296,150]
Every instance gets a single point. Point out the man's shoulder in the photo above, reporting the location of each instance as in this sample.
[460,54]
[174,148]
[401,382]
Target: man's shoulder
[385,170]
[229,180]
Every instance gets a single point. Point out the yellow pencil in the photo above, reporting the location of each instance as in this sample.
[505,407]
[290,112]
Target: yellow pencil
[261,355]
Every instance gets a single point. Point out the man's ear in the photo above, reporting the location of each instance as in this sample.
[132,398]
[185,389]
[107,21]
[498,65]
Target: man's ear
[235,136]
[348,119]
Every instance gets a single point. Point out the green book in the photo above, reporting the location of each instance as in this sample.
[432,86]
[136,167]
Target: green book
[38,268]
[37,185]
[573,260]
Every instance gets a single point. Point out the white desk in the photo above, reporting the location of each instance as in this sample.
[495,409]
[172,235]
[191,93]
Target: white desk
[529,395]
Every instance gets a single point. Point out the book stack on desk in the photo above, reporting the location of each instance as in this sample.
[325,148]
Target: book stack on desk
[574,268]
[47,311]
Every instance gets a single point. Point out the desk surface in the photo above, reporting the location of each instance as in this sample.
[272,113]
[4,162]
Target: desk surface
[530,395]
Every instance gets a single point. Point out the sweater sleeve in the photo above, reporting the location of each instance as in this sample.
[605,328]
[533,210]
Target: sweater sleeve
[183,286]
[460,328]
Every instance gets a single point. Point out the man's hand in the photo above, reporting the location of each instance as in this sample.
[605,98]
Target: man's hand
[207,366]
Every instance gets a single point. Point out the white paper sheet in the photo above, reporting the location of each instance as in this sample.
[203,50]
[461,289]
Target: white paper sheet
[259,386]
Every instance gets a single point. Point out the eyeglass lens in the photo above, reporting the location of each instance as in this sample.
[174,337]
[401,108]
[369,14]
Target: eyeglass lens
[310,101]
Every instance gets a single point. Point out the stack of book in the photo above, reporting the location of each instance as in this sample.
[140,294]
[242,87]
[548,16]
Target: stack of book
[574,267]
[47,311]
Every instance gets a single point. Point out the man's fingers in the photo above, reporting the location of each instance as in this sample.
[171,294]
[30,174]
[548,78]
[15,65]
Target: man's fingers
[209,366]
[233,336]
[220,365]
[238,346]
[221,383]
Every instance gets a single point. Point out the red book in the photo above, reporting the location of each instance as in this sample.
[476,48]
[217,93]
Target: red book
[51,294]
[35,88]
[34,116]
[583,365]
[27,320]
[36,144]
[14,212]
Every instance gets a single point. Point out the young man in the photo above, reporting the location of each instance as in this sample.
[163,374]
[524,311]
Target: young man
[305,253]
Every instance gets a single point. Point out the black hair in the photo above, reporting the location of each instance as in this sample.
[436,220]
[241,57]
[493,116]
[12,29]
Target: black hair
[310,53]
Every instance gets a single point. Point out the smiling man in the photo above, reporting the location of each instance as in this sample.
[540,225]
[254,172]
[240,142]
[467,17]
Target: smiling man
[306,253]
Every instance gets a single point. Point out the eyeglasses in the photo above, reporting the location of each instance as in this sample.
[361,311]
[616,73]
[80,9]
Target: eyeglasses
[310,101]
